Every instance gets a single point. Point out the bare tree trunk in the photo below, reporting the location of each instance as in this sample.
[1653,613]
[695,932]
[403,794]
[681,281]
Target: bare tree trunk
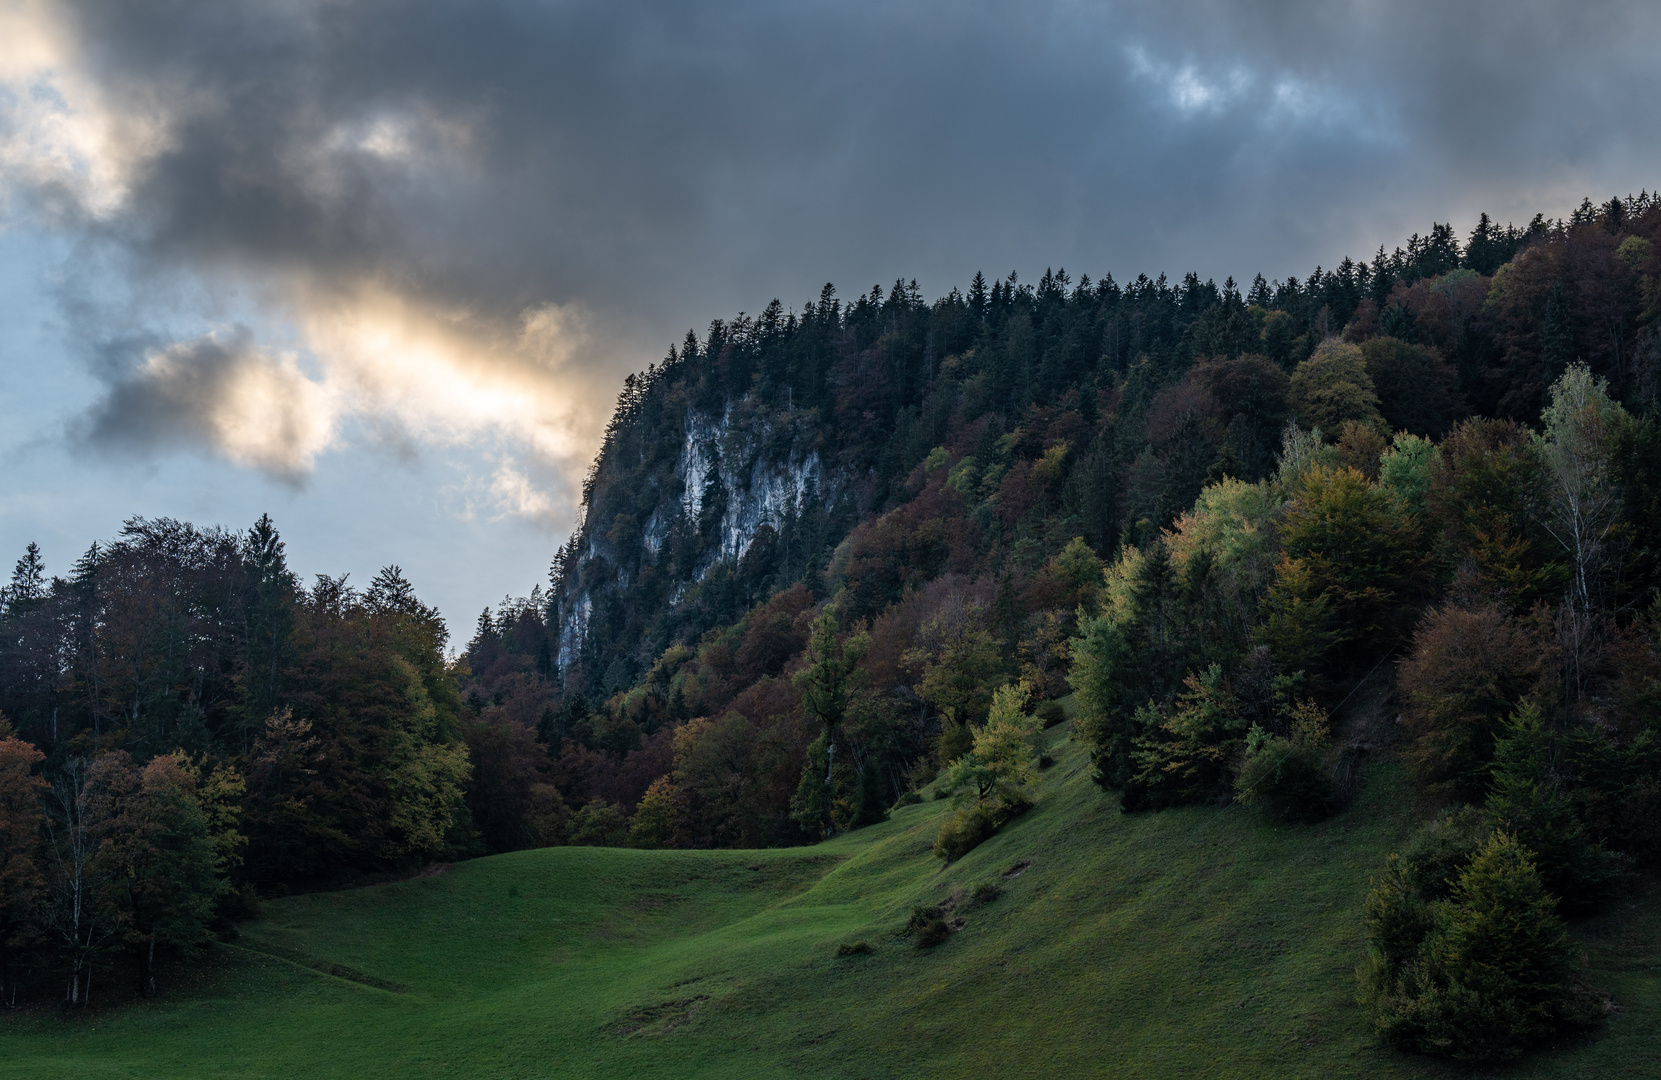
[71,916]
[830,792]
[145,954]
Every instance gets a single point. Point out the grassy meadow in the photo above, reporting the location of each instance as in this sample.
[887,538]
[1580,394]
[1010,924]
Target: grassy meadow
[1189,943]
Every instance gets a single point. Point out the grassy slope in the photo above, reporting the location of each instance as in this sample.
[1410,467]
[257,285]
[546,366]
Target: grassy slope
[1187,943]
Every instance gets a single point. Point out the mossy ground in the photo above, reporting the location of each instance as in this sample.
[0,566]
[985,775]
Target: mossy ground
[1190,943]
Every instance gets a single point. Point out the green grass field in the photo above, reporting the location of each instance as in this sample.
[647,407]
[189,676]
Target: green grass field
[1192,943]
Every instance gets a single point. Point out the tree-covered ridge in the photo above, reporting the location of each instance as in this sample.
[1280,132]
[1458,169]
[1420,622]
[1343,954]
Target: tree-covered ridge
[1153,388]
[989,452]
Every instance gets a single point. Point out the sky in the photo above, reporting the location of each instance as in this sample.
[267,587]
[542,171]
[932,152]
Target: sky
[378,267]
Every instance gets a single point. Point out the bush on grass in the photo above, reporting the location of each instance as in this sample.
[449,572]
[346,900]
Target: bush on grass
[1288,776]
[928,926]
[963,831]
[1489,974]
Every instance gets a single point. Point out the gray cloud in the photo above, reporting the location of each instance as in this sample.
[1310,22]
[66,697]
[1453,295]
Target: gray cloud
[530,195]
[219,392]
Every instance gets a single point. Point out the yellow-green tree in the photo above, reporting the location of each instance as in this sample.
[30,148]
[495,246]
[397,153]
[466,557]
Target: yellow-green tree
[990,781]
[998,768]
[1333,386]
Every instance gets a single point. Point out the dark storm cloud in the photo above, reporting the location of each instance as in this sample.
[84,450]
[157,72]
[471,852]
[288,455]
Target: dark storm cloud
[657,164]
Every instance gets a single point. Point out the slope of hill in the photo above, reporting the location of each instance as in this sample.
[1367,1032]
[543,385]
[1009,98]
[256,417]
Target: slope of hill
[1194,942]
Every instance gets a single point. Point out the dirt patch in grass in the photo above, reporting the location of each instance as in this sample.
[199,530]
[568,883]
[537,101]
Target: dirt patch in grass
[326,967]
[661,1018]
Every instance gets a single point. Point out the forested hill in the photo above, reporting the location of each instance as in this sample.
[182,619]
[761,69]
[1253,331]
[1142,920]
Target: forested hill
[801,446]
[1250,541]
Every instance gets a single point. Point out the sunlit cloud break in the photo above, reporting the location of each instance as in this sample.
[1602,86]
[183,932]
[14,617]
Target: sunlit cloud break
[439,378]
[395,353]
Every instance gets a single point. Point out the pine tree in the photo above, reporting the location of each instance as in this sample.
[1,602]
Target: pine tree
[1528,799]
[28,584]
[1557,335]
[825,684]
[270,621]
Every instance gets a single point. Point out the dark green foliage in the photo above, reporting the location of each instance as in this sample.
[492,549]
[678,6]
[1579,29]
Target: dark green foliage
[1333,386]
[1434,859]
[1490,972]
[1363,551]
[1125,658]
[1188,752]
[599,824]
[1289,776]
[854,948]
[928,926]
[1418,391]
[1530,798]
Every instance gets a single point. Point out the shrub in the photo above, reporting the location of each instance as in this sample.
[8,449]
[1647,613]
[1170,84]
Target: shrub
[910,798]
[599,824]
[1050,713]
[932,934]
[854,948]
[985,893]
[928,926]
[963,831]
[1288,776]
[1489,974]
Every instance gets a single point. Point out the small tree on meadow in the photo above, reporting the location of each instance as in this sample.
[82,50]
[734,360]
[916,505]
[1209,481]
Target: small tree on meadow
[990,781]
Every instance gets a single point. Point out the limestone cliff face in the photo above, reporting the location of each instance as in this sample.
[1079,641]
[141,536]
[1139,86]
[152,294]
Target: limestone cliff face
[679,499]
[761,472]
